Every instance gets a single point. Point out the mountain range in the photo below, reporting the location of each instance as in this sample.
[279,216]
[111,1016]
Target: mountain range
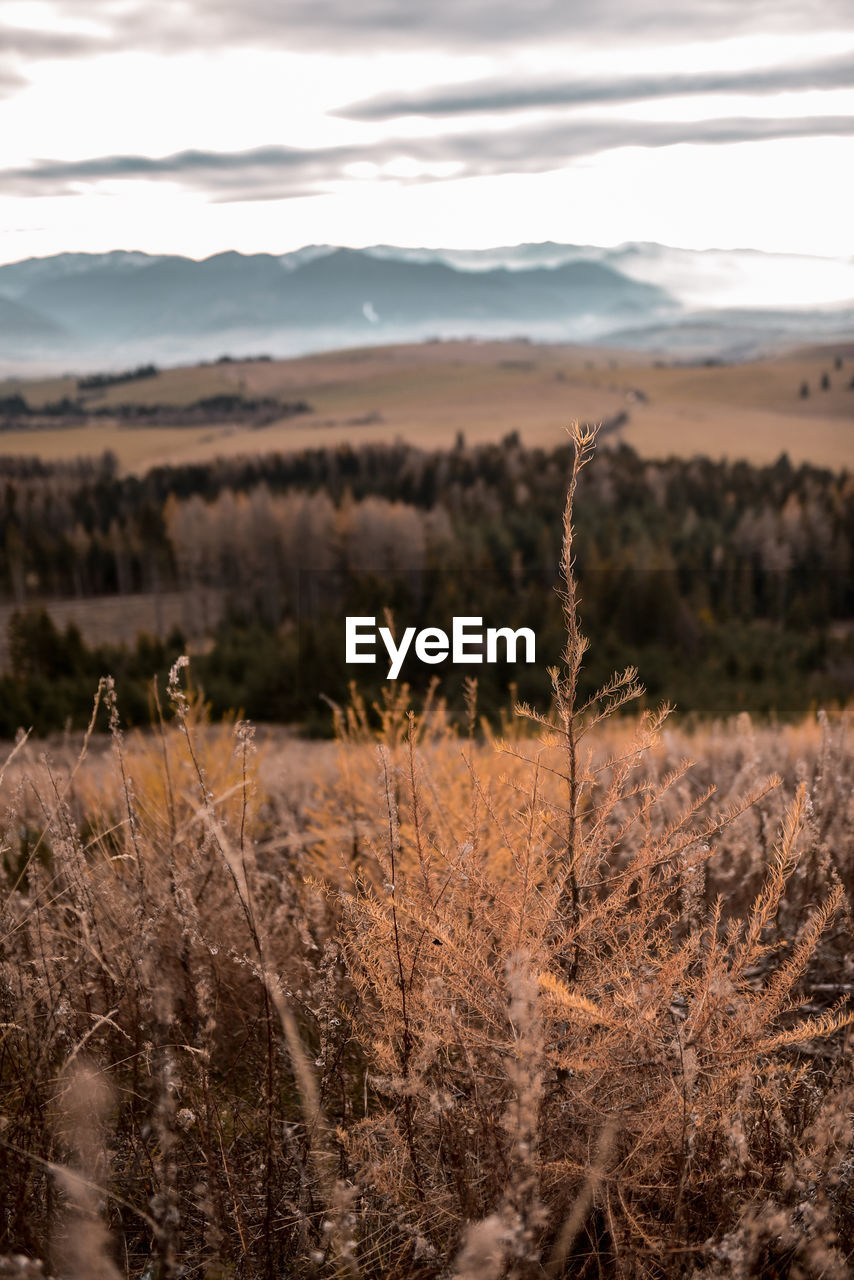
[111,309]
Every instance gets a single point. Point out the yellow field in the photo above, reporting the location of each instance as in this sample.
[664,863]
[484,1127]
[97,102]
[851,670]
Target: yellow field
[426,394]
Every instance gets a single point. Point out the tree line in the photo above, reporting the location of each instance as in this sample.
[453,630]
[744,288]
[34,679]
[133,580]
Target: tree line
[732,582]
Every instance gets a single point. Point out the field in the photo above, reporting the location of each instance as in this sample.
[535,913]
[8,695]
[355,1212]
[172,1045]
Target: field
[428,394]
[424,1003]
[124,618]
[324,1012]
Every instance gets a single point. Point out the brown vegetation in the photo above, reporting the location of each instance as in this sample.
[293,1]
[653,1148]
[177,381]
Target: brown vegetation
[426,393]
[543,1006]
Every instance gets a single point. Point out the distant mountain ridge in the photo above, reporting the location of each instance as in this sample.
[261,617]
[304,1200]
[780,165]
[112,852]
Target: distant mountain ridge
[104,310]
[18,322]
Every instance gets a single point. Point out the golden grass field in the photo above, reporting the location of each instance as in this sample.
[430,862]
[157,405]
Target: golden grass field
[325,1010]
[425,394]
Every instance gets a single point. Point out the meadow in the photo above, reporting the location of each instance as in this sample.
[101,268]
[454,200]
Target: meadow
[426,394]
[535,998]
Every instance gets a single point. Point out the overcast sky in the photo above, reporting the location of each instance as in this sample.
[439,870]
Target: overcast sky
[192,126]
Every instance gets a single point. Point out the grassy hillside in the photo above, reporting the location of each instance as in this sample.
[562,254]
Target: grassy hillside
[427,394]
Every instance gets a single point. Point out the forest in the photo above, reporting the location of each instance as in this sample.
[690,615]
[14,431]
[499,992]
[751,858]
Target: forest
[731,585]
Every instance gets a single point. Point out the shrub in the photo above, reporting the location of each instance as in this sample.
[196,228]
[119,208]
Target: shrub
[577,1056]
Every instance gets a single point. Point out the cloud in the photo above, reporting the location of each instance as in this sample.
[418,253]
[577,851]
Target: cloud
[263,173]
[274,172]
[497,95]
[481,24]
[10,81]
[371,25]
[553,145]
[219,173]
[28,43]
[20,46]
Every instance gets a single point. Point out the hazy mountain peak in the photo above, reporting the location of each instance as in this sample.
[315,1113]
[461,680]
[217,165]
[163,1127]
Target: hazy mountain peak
[126,307]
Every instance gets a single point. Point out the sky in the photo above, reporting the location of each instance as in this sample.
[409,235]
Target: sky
[195,126]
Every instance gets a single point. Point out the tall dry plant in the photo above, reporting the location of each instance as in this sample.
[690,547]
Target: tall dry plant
[140,935]
[576,1060]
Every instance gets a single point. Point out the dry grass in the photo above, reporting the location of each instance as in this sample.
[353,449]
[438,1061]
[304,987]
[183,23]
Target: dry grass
[425,394]
[537,1006]
[122,619]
